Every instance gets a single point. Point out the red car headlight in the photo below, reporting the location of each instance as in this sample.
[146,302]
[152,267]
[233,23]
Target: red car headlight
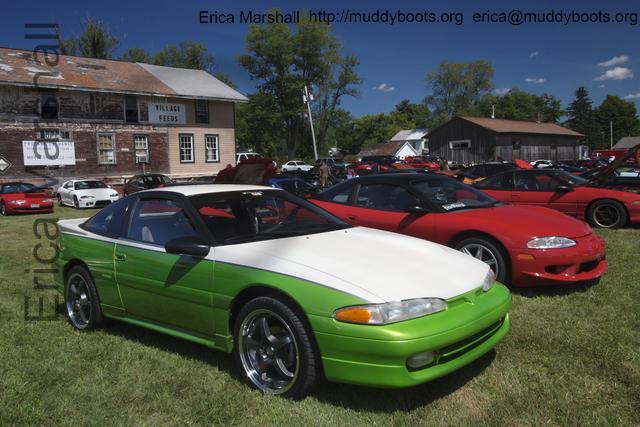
[551,242]
[18,202]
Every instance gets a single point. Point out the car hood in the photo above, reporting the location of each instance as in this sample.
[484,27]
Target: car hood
[528,221]
[95,192]
[375,265]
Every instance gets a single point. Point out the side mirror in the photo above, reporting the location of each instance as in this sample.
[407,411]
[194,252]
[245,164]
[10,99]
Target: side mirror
[416,209]
[564,189]
[190,245]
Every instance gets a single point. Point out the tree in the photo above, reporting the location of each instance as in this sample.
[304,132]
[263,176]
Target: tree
[283,62]
[455,86]
[136,54]
[414,115]
[96,41]
[622,114]
[581,116]
[519,105]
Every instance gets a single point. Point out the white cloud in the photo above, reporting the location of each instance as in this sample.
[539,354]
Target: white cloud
[534,54]
[535,80]
[383,87]
[617,73]
[502,90]
[616,60]
[633,96]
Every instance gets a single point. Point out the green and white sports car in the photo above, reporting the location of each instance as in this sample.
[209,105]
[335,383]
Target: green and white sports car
[292,291]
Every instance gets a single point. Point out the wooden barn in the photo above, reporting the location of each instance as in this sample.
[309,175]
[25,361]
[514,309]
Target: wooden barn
[479,139]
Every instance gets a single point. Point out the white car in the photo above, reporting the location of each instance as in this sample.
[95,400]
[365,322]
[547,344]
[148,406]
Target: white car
[248,155]
[296,165]
[86,193]
[542,163]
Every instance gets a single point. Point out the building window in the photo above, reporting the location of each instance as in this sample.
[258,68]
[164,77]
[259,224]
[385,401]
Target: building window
[460,144]
[141,144]
[49,108]
[53,134]
[186,148]
[106,148]
[211,149]
[131,109]
[202,111]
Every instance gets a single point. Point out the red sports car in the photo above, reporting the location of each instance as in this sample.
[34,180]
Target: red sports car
[523,245]
[422,162]
[565,192]
[22,197]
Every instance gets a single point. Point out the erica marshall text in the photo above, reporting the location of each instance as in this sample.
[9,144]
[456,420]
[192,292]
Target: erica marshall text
[249,17]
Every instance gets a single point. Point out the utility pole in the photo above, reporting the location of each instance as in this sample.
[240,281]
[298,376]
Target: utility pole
[611,133]
[307,98]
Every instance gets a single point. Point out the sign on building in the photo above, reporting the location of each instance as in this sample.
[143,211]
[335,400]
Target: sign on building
[161,112]
[48,153]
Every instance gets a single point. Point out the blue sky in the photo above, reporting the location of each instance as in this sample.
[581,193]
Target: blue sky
[538,58]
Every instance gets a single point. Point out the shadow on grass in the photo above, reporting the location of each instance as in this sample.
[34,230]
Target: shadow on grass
[552,291]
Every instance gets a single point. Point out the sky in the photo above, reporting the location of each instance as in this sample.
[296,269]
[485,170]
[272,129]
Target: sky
[394,59]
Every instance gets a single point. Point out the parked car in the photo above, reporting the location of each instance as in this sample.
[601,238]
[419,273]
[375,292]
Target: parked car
[86,193]
[337,165]
[145,182]
[570,194]
[523,246]
[542,164]
[296,165]
[294,185]
[625,178]
[23,197]
[484,170]
[422,162]
[294,292]
[374,164]
[246,155]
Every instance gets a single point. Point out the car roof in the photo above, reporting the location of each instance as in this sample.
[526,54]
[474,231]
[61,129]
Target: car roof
[397,177]
[194,190]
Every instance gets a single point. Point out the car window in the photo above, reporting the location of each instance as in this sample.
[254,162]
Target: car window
[20,187]
[158,221]
[68,185]
[451,195]
[527,181]
[89,185]
[339,194]
[101,222]
[499,182]
[385,197]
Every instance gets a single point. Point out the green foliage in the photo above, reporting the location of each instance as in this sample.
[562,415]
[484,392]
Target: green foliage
[96,41]
[136,54]
[456,86]
[622,114]
[519,105]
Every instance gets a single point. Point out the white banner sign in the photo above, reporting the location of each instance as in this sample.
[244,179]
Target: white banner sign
[167,113]
[48,153]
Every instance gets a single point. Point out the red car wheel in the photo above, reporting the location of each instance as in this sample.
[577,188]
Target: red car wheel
[607,214]
[3,209]
[488,252]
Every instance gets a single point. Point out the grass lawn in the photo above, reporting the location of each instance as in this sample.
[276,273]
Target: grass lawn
[571,357]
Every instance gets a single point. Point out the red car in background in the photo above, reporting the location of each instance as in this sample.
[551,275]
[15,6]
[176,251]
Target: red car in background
[422,162]
[565,192]
[523,245]
[22,197]
[374,164]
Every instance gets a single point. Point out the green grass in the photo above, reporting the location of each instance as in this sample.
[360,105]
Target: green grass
[571,357]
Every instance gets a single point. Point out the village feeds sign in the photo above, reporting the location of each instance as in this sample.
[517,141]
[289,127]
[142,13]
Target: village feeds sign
[161,112]
[48,153]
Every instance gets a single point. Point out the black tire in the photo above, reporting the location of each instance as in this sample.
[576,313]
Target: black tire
[297,337]
[499,259]
[76,204]
[607,213]
[59,200]
[81,301]
[3,209]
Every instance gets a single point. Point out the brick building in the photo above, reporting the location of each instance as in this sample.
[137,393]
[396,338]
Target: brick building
[85,117]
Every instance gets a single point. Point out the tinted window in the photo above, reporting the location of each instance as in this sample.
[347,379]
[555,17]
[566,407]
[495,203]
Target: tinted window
[18,187]
[452,195]
[385,197]
[338,194]
[158,221]
[89,185]
[494,169]
[535,182]
[103,222]
[503,182]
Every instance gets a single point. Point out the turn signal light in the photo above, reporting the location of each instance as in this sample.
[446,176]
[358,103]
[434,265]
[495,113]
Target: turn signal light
[353,315]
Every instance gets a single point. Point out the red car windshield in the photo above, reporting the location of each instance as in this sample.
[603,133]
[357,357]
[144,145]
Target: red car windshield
[20,187]
[450,195]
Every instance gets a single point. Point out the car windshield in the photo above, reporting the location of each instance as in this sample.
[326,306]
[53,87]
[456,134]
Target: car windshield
[451,195]
[89,185]
[19,187]
[246,216]
[157,179]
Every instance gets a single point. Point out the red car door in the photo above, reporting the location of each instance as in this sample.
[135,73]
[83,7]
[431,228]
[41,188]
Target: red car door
[541,188]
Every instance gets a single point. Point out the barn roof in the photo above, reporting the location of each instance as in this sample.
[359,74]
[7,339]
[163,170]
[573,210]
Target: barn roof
[383,149]
[26,68]
[409,135]
[521,126]
[627,142]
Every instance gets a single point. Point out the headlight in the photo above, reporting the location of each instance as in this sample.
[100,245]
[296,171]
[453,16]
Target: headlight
[552,242]
[390,312]
[87,197]
[18,202]
[489,280]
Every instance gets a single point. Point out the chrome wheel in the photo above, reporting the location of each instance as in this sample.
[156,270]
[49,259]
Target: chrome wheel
[78,301]
[3,209]
[606,216]
[268,351]
[482,253]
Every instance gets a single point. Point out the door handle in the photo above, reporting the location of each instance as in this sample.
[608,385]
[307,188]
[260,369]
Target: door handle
[121,257]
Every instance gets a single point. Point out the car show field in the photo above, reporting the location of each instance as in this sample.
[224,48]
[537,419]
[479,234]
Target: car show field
[570,358]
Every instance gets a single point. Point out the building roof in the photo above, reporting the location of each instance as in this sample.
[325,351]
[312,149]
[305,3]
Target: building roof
[627,142]
[383,149]
[26,68]
[520,126]
[410,135]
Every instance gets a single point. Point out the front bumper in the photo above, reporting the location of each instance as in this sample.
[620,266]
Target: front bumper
[96,203]
[377,355]
[27,209]
[583,262]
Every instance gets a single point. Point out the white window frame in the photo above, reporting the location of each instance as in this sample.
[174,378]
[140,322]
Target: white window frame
[460,144]
[212,146]
[103,156]
[141,148]
[186,147]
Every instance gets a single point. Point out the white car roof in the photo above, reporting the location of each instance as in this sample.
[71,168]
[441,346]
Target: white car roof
[193,190]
